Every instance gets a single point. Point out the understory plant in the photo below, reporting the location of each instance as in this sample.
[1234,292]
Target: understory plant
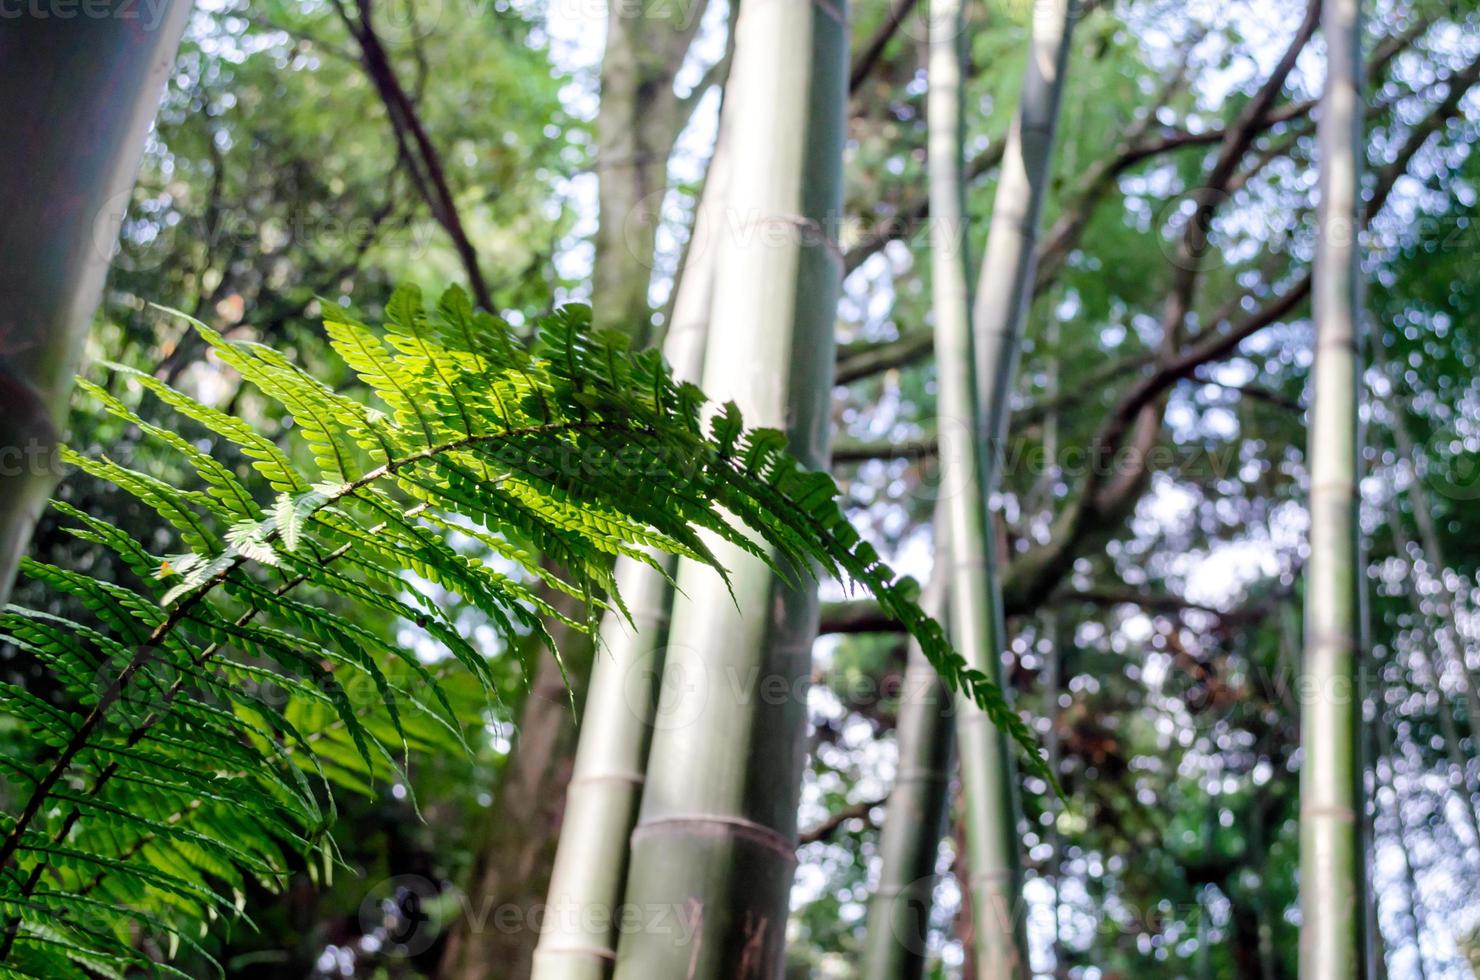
[200,715]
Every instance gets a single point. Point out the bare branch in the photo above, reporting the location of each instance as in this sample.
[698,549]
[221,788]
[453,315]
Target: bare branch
[423,162]
[874,49]
[827,828]
[910,217]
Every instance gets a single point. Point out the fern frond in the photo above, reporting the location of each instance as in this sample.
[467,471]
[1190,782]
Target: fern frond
[207,710]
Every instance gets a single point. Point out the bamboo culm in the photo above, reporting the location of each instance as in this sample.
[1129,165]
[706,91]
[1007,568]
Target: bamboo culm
[914,818]
[976,363]
[1331,877]
[85,90]
[579,933]
[714,847]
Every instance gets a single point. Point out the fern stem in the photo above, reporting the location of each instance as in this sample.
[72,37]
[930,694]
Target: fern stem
[733,490]
[288,748]
[179,613]
[106,774]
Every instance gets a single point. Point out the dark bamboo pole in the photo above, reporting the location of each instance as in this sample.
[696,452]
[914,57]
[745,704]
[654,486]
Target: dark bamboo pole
[80,93]
[914,819]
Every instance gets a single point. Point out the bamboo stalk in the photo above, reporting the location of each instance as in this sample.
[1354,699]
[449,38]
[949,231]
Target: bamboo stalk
[979,405]
[914,820]
[79,97]
[714,848]
[1465,791]
[1053,685]
[579,933]
[1400,822]
[639,120]
[1447,612]
[1331,862]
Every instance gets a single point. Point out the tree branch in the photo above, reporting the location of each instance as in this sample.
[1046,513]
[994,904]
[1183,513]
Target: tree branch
[716,74]
[857,361]
[420,155]
[1101,506]
[828,827]
[911,215]
[869,57]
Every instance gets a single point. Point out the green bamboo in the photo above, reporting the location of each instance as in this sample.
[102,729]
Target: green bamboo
[579,933]
[714,848]
[80,93]
[639,120]
[1331,862]
[1414,902]
[979,405]
[1446,600]
[914,819]
[1053,684]
[1459,781]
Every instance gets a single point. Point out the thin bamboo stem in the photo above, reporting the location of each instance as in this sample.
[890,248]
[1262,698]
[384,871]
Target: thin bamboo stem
[1464,788]
[1450,643]
[899,916]
[976,403]
[1400,823]
[1331,861]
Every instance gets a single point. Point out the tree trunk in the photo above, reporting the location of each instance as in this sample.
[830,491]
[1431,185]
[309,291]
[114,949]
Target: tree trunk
[914,820]
[979,407]
[714,848]
[579,934]
[639,120]
[1331,879]
[79,97]
[513,861]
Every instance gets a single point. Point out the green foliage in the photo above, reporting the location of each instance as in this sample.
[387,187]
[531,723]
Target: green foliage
[205,713]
